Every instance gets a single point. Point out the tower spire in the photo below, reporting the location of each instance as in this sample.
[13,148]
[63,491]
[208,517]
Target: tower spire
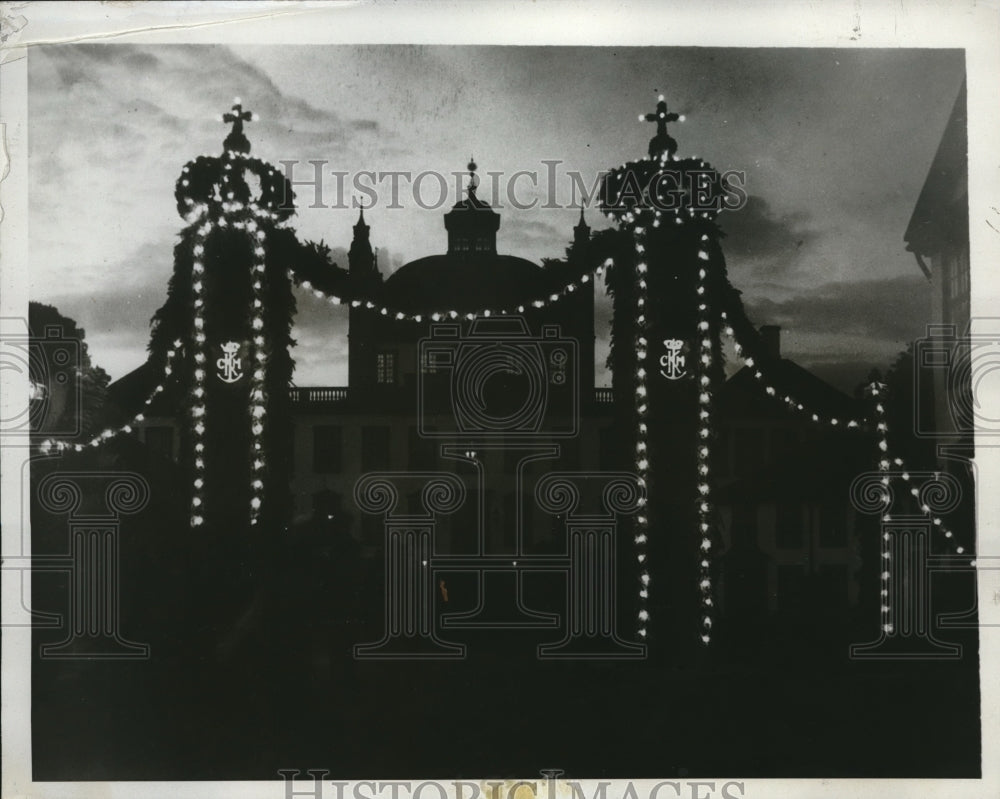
[361,257]
[361,225]
[581,232]
[473,178]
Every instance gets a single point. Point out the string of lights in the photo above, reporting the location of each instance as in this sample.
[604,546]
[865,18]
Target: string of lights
[197,389]
[887,461]
[636,211]
[50,445]
[642,429]
[882,429]
[443,315]
[258,407]
[702,368]
[770,389]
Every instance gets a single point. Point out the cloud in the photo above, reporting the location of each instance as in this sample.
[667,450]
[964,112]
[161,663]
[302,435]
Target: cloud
[767,242]
[893,309]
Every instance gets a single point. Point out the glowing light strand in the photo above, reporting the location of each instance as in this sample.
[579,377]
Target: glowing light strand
[887,461]
[772,391]
[885,589]
[258,368]
[50,445]
[197,390]
[702,369]
[642,429]
[444,315]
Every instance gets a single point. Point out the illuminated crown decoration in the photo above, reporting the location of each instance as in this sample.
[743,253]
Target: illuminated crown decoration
[214,194]
[662,187]
[219,184]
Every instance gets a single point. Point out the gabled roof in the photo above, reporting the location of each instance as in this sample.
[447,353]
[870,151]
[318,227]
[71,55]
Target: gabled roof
[940,216]
[744,395]
[128,394]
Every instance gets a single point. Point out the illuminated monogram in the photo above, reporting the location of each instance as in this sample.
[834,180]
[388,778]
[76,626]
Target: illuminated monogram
[229,365]
[672,361]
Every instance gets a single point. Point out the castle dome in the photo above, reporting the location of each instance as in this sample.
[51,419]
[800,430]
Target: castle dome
[462,283]
[471,275]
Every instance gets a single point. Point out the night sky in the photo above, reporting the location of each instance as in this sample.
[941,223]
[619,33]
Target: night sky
[835,145]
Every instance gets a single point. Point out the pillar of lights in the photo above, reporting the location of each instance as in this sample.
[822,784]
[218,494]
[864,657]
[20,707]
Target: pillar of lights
[664,309]
[238,306]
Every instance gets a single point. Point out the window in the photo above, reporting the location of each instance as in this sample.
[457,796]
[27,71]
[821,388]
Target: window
[160,439]
[326,449]
[385,368]
[788,526]
[374,447]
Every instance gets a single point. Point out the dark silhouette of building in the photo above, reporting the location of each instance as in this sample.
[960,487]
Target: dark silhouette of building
[789,531]
[407,409]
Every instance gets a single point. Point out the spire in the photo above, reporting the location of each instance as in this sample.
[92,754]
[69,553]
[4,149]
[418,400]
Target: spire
[361,228]
[581,233]
[361,257]
[473,178]
[471,224]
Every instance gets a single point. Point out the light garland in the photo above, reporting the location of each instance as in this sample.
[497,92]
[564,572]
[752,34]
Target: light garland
[212,192]
[703,499]
[646,212]
[882,429]
[444,315]
[49,445]
[772,391]
[642,429]
[241,216]
[197,397]
[258,408]
[886,461]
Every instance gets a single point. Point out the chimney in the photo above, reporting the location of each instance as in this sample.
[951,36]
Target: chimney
[770,336]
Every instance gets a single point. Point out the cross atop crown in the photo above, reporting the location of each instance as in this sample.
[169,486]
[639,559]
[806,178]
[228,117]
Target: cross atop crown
[236,140]
[662,142]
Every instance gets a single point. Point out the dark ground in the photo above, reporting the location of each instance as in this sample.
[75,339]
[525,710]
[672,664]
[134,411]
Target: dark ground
[230,696]
[792,712]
